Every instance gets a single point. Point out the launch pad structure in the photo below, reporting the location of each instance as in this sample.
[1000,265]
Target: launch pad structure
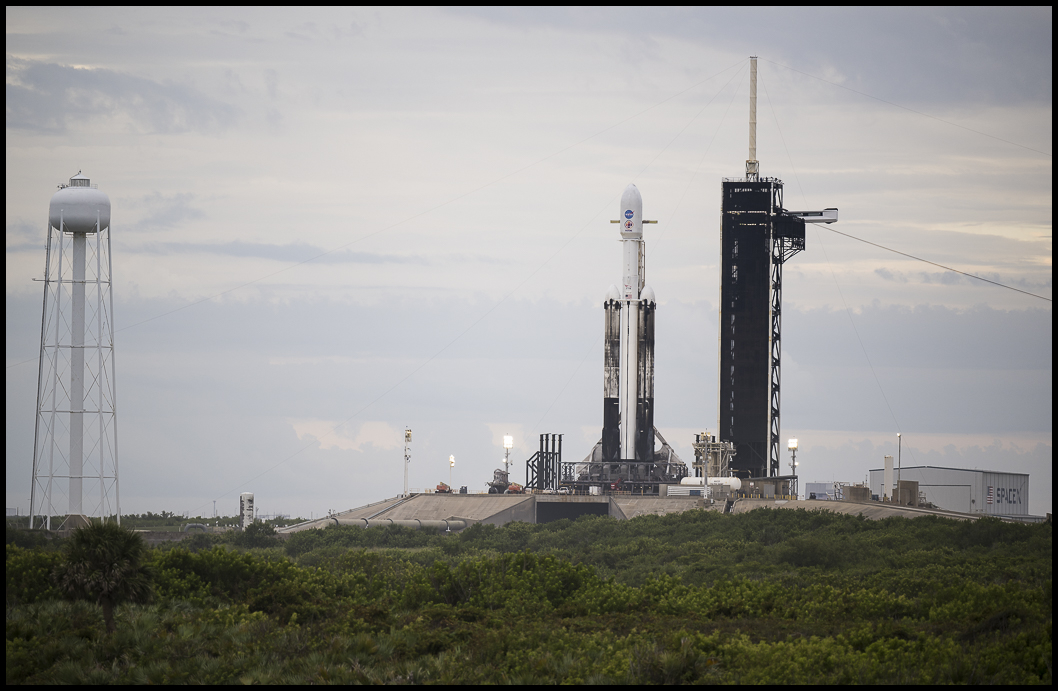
[757,237]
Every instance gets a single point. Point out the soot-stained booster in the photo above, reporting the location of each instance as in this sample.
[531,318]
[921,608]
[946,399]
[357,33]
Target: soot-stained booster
[625,456]
[628,398]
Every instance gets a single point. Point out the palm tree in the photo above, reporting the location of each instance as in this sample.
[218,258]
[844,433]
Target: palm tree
[103,564]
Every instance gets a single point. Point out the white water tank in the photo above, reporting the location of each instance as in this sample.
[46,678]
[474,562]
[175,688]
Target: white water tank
[733,483]
[79,206]
[245,509]
[693,481]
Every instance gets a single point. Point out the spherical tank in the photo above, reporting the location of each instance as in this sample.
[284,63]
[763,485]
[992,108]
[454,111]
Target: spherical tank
[79,206]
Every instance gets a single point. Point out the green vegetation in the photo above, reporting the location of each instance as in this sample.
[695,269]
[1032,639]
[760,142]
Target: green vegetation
[165,521]
[103,563]
[764,597]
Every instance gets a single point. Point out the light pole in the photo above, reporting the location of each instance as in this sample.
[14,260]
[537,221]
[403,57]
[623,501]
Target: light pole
[792,445]
[899,441]
[407,457]
[508,444]
[451,464]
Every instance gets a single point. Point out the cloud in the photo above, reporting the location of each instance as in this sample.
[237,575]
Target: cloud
[168,210]
[949,278]
[23,235]
[888,275]
[292,252]
[48,98]
[917,56]
[334,435]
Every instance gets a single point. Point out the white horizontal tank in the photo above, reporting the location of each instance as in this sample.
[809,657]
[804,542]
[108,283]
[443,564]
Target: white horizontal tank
[78,206]
[732,483]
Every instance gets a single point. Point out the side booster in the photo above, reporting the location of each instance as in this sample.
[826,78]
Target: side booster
[628,348]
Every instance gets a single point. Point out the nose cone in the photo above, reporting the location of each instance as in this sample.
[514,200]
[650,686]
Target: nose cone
[631,213]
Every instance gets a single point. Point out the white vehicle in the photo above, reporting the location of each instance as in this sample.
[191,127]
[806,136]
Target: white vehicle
[549,491]
[565,490]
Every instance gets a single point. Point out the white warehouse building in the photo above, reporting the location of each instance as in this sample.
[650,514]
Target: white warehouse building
[966,491]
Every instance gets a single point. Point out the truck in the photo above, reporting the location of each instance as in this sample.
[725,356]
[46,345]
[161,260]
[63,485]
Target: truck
[442,488]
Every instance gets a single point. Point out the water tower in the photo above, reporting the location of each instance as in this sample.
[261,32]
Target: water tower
[75,452]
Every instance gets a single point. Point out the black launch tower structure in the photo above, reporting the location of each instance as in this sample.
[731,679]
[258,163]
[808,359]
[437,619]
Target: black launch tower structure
[757,237]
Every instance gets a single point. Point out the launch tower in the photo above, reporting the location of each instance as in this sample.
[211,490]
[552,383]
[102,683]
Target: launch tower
[758,236]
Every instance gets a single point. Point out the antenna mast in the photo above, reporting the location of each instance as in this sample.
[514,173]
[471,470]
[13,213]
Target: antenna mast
[752,166]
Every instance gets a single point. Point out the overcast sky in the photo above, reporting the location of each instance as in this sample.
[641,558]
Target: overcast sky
[400,217]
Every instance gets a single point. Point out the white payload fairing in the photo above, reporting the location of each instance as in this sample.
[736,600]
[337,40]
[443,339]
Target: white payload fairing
[628,361]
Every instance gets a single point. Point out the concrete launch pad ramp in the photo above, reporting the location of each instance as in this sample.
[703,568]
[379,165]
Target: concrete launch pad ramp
[873,510]
[499,509]
[476,508]
[493,509]
[661,506]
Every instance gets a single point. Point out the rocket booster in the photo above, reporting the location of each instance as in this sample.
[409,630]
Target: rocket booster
[611,394]
[628,351]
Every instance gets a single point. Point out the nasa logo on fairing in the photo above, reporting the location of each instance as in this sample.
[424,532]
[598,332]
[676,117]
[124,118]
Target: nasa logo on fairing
[629,213]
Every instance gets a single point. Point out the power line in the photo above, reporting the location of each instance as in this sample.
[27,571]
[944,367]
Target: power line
[889,249]
[911,110]
[946,268]
[833,274]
